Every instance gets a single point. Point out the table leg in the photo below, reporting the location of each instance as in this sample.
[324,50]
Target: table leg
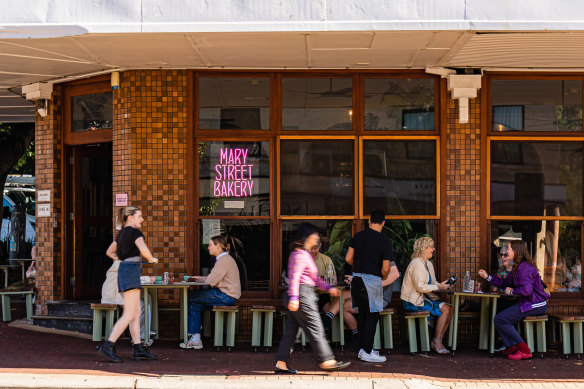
[341,321]
[455,323]
[154,299]
[184,314]
[492,340]
[451,325]
[146,316]
[484,324]
[5,277]
[22,265]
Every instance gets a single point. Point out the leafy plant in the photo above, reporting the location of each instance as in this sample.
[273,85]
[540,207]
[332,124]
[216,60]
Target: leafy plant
[339,243]
[403,236]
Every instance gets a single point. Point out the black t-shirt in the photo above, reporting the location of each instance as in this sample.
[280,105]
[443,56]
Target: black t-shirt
[371,249]
[126,241]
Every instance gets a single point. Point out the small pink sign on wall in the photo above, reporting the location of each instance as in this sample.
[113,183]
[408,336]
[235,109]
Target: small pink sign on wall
[121,199]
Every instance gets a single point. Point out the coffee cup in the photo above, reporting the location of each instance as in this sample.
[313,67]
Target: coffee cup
[158,278]
[186,277]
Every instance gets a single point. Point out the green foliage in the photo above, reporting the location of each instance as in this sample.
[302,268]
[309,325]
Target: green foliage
[25,164]
[403,235]
[340,240]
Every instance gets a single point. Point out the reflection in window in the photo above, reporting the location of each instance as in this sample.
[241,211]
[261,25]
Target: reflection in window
[317,103]
[554,245]
[399,104]
[536,178]
[316,177]
[537,105]
[91,112]
[403,234]
[335,238]
[250,247]
[234,103]
[234,178]
[399,177]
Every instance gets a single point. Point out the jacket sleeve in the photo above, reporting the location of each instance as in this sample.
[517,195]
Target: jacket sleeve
[420,281]
[524,280]
[501,283]
[296,267]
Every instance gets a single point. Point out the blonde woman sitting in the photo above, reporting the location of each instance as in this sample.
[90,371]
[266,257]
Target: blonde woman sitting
[418,284]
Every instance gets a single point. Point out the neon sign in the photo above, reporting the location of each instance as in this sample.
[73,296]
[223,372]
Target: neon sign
[233,174]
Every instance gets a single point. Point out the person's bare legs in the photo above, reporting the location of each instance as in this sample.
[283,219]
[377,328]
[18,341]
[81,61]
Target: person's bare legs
[130,317]
[349,314]
[442,323]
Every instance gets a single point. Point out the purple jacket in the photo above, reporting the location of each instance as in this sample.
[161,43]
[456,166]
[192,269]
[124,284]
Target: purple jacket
[526,284]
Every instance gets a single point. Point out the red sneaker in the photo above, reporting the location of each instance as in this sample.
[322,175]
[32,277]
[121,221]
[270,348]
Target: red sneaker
[519,355]
[509,350]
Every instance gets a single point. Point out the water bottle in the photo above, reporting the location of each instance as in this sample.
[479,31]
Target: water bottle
[330,274]
[466,282]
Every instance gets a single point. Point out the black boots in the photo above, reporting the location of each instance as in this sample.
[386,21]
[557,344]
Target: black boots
[141,353]
[107,350]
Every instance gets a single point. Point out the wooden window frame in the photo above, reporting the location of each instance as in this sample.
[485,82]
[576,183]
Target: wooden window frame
[488,87]
[558,298]
[84,137]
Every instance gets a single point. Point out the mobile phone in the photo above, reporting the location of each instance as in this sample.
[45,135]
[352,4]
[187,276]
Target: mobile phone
[451,280]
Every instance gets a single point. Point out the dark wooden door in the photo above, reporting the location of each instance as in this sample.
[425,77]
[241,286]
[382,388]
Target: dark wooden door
[91,218]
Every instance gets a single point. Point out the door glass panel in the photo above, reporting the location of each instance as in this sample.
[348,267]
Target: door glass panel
[91,112]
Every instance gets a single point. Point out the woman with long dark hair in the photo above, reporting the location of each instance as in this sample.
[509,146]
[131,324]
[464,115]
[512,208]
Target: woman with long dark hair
[525,282]
[303,305]
[127,247]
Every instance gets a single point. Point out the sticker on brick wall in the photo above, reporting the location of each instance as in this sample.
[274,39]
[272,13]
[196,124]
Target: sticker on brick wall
[43,195]
[121,199]
[43,210]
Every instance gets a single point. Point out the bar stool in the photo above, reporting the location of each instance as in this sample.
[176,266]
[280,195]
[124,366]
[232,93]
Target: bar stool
[539,321]
[231,312]
[422,318]
[385,318]
[567,321]
[257,311]
[110,310]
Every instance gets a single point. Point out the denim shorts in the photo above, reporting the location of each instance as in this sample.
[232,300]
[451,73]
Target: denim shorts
[129,276]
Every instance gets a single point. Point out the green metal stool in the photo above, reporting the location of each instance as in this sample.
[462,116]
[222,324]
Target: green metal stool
[110,310]
[385,318]
[576,321]
[539,321]
[303,339]
[231,312]
[256,330]
[6,294]
[422,318]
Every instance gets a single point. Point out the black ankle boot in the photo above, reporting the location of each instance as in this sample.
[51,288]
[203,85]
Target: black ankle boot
[141,353]
[107,350]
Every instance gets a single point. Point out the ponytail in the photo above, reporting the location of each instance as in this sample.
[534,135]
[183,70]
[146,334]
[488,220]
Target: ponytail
[123,214]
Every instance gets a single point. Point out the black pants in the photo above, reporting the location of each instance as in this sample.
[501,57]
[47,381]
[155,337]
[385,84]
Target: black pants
[366,321]
[307,318]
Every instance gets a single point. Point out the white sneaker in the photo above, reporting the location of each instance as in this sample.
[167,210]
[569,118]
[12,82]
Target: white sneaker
[361,352]
[192,343]
[372,357]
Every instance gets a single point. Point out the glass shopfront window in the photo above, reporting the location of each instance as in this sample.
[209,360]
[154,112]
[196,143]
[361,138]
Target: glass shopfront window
[317,177]
[250,247]
[536,105]
[405,104]
[91,112]
[234,178]
[555,246]
[399,176]
[536,178]
[317,104]
[236,103]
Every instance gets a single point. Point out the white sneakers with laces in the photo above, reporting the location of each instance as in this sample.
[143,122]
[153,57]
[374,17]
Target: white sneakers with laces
[371,357]
[196,344]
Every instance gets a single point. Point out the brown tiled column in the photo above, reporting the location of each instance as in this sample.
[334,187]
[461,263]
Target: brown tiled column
[48,150]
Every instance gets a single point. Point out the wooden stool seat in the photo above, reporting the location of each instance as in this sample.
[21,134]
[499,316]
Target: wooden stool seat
[98,309]
[257,311]
[569,324]
[539,321]
[422,318]
[385,318]
[231,312]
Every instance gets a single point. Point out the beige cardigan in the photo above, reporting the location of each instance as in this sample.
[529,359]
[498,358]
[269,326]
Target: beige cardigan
[225,277]
[415,282]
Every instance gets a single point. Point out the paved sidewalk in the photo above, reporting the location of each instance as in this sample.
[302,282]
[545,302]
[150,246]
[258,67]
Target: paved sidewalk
[36,359]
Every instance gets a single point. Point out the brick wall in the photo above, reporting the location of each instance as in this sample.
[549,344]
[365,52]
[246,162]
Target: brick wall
[48,154]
